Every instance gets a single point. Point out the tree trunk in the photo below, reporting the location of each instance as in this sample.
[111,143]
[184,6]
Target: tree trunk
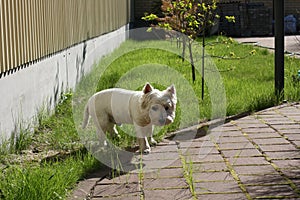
[183,48]
[192,61]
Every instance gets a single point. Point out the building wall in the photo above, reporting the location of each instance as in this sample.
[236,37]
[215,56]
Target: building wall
[291,6]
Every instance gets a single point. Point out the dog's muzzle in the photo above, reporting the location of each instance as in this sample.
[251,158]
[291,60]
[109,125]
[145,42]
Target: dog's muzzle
[165,121]
[159,116]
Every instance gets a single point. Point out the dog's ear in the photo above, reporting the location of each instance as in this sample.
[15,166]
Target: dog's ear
[172,89]
[147,88]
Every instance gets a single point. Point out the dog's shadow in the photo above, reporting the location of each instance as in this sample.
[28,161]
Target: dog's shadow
[118,162]
[189,133]
[117,159]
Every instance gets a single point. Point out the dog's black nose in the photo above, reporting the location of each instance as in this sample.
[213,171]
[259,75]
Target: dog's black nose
[162,121]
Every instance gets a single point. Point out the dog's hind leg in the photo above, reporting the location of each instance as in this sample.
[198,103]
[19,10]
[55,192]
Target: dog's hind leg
[102,130]
[112,130]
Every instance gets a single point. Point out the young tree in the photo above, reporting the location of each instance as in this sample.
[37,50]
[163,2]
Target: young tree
[190,17]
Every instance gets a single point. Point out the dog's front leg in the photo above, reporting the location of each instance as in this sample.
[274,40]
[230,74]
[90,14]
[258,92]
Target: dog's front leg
[142,134]
[153,141]
[144,145]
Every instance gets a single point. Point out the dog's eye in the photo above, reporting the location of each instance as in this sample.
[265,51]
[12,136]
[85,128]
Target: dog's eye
[166,108]
[154,108]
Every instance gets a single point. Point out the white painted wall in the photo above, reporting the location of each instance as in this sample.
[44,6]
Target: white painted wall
[24,92]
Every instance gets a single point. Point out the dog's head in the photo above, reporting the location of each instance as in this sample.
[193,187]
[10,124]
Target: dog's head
[160,105]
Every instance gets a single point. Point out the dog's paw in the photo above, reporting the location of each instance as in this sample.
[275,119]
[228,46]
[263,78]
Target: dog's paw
[147,151]
[105,143]
[153,142]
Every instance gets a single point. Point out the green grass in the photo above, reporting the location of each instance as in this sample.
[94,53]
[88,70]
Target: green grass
[57,132]
[48,181]
[250,81]
[247,74]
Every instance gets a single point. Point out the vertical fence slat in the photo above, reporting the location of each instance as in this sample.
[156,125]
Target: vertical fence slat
[72,27]
[6,38]
[51,23]
[30,30]
[55,24]
[14,33]
[21,36]
[84,21]
[10,34]
[2,28]
[35,30]
[19,29]
[59,18]
[25,53]
[39,29]
[103,16]
[44,10]
[60,33]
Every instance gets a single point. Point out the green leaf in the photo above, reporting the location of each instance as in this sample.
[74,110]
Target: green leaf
[150,17]
[230,19]
[149,29]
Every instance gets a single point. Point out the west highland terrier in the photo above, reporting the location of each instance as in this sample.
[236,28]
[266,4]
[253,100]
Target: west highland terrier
[143,109]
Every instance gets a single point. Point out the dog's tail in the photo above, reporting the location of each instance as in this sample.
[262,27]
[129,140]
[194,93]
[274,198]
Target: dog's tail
[86,116]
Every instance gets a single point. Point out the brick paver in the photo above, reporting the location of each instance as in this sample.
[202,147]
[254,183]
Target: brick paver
[255,157]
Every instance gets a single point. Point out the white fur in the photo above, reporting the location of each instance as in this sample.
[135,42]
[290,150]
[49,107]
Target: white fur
[143,109]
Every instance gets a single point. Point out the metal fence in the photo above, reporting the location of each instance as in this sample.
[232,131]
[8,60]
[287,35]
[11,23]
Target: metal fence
[32,29]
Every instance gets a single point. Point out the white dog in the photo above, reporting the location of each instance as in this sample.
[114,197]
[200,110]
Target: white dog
[143,109]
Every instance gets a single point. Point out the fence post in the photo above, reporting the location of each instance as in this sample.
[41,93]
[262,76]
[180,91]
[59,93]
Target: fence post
[279,48]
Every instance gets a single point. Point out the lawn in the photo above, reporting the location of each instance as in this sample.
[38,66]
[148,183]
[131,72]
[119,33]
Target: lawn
[238,78]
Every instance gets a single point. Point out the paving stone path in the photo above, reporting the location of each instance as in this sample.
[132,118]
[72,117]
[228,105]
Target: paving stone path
[254,157]
[291,43]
